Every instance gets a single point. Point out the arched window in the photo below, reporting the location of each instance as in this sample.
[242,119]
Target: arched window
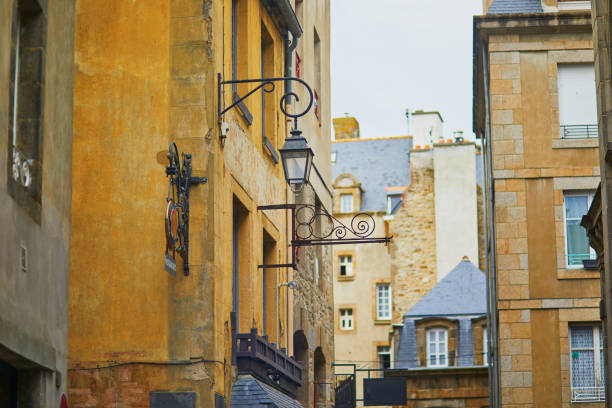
[437,347]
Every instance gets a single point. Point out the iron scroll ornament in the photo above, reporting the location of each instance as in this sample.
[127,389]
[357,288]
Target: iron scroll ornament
[304,221]
[266,85]
[177,208]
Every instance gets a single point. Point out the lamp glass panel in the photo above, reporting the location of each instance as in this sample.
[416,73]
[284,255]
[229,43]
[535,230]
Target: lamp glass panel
[295,165]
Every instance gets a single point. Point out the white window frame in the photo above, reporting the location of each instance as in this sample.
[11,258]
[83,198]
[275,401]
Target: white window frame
[383,314]
[347,262]
[485,347]
[346,319]
[383,351]
[575,193]
[590,394]
[346,203]
[574,5]
[437,342]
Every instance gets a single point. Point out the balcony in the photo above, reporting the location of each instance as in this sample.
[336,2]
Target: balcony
[253,354]
[579,131]
[588,394]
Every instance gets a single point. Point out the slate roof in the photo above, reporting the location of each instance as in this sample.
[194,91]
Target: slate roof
[515,6]
[461,292]
[250,392]
[376,164]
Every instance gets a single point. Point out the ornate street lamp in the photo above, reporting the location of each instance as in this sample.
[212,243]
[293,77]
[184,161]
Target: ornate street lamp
[295,153]
[297,161]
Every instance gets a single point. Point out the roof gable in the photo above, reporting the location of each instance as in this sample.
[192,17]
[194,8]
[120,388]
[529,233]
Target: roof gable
[461,292]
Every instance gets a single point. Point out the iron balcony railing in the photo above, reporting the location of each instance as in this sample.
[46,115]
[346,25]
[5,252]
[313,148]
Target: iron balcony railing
[253,351]
[591,394]
[578,131]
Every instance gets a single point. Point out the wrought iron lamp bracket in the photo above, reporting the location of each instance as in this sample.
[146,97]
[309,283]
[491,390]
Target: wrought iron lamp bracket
[266,85]
[177,208]
[304,233]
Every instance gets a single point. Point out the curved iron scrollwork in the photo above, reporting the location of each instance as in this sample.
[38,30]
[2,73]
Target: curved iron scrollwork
[177,208]
[266,85]
[313,225]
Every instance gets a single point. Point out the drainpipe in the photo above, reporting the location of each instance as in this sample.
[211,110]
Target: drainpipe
[290,46]
[489,229]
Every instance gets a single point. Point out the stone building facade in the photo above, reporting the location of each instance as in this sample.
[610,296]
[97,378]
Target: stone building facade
[407,192]
[36,77]
[541,171]
[146,76]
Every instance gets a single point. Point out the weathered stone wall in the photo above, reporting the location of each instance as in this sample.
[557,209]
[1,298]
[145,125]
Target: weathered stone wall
[413,248]
[33,302]
[313,314]
[346,128]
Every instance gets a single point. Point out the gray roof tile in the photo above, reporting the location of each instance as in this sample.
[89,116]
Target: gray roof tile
[376,164]
[250,392]
[461,292]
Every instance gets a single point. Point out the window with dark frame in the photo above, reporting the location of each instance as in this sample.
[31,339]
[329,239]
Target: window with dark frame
[26,105]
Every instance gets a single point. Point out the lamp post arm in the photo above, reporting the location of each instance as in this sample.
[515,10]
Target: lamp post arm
[266,85]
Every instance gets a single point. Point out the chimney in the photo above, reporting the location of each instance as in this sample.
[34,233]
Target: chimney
[346,128]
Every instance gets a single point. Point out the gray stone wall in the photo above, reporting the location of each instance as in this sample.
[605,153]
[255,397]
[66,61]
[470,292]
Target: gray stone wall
[313,306]
[33,299]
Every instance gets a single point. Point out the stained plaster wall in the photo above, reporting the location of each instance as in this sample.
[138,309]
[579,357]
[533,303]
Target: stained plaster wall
[456,205]
[160,86]
[33,304]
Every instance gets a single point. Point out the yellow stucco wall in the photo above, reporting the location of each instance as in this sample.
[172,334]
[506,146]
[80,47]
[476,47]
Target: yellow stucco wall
[145,75]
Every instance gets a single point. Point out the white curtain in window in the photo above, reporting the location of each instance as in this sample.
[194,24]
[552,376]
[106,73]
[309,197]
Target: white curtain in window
[583,361]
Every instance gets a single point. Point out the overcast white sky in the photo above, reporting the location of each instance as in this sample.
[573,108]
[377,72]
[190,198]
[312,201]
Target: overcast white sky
[390,55]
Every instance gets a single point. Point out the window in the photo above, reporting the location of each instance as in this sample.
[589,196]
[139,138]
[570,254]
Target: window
[334,155]
[384,357]
[346,319]
[574,5]
[437,348]
[26,106]
[268,123]
[577,100]
[576,242]
[394,201]
[586,355]
[346,265]
[346,203]
[383,301]
[485,347]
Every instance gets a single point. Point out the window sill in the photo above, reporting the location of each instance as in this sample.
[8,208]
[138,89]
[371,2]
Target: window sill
[575,143]
[346,278]
[382,322]
[577,273]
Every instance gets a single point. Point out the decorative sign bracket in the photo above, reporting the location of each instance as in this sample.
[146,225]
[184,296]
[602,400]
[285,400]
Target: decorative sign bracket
[304,218]
[177,208]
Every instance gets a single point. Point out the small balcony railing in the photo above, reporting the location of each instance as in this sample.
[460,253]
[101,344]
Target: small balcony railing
[254,354]
[590,394]
[578,131]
